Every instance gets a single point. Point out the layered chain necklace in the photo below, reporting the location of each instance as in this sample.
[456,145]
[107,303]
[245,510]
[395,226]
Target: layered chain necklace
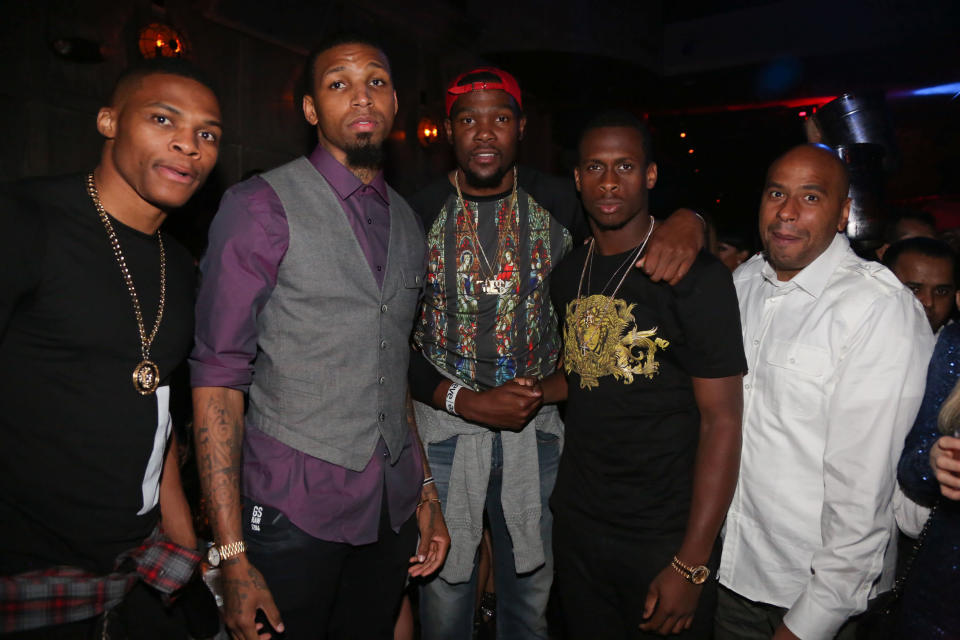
[491,285]
[146,375]
[591,323]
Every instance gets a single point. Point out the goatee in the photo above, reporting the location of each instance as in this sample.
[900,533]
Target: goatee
[364,154]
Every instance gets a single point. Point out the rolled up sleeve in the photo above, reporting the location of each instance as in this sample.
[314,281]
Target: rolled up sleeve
[248,238]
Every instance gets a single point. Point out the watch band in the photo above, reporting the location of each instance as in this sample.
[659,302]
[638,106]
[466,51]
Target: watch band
[694,575]
[232,549]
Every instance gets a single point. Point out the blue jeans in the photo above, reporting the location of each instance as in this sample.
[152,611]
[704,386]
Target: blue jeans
[446,610]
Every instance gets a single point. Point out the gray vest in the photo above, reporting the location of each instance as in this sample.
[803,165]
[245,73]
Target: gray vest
[330,377]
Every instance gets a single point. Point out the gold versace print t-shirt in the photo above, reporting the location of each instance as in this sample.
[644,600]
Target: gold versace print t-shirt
[630,354]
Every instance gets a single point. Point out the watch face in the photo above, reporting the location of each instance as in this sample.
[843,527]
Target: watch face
[213,556]
[699,575]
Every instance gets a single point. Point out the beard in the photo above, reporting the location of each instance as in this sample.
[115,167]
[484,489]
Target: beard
[488,182]
[364,154]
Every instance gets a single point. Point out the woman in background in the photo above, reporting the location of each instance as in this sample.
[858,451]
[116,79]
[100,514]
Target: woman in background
[929,473]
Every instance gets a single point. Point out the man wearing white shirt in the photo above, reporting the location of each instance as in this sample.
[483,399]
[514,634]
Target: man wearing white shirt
[837,350]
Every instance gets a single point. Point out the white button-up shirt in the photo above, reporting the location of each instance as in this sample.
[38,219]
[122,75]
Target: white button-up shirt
[837,359]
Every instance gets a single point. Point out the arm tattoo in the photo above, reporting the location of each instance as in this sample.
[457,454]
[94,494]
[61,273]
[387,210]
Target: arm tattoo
[219,437]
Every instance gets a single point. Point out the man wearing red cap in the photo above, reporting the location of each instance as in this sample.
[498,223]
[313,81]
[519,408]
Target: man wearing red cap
[488,335]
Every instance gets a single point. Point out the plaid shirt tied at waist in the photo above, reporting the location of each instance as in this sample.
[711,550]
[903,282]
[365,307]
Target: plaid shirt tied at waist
[58,595]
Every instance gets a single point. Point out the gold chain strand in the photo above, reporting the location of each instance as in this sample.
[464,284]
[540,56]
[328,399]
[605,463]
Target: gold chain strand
[146,375]
[490,285]
[579,330]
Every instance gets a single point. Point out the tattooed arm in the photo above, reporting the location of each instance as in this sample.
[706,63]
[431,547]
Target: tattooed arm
[218,430]
[434,537]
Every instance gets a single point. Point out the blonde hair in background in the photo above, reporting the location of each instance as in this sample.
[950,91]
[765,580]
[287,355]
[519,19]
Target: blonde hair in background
[949,419]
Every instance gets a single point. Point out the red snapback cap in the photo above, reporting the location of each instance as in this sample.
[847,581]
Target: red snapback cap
[507,83]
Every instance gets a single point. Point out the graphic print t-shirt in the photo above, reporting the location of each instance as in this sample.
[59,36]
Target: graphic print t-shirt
[484,338]
[632,424]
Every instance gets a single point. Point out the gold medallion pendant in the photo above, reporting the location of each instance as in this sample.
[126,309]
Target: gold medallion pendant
[146,377]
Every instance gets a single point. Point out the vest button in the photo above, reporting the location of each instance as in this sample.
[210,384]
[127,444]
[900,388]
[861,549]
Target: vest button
[383,345]
[382,417]
[381,380]
[383,308]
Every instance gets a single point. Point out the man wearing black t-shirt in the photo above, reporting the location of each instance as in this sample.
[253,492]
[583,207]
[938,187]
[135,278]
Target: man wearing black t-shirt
[96,311]
[653,414]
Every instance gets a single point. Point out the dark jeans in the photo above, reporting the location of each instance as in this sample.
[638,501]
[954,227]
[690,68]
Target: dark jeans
[603,575]
[331,589]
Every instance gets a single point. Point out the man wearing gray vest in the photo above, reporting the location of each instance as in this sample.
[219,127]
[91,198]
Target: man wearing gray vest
[309,292]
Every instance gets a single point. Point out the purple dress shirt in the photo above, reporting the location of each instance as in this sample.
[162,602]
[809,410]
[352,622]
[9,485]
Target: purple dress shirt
[248,239]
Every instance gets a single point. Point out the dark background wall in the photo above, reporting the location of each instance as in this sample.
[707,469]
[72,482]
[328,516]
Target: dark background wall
[734,76]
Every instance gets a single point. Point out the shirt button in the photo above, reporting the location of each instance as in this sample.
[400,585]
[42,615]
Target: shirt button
[747,386]
[383,308]
[381,380]
[369,220]
[793,361]
[383,345]
[382,417]
[756,342]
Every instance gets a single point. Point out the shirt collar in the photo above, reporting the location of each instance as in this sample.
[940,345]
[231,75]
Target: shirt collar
[814,277]
[342,179]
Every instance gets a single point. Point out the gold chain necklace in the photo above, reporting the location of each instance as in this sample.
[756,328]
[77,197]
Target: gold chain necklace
[146,375]
[580,330]
[492,285]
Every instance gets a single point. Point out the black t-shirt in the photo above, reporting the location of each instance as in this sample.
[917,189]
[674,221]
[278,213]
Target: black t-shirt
[482,338]
[632,424]
[75,436]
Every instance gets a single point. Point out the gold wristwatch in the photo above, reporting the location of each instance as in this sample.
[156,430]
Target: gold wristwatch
[694,575]
[216,555]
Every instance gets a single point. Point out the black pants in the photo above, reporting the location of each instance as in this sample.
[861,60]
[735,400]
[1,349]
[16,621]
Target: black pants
[330,589]
[603,575]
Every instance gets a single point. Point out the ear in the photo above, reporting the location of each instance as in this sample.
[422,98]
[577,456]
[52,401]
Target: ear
[448,127]
[310,110]
[651,175]
[107,122]
[957,298]
[576,177]
[396,103]
[521,127]
[844,214]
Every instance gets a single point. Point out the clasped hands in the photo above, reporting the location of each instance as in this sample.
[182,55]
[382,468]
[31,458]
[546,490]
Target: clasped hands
[510,406]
